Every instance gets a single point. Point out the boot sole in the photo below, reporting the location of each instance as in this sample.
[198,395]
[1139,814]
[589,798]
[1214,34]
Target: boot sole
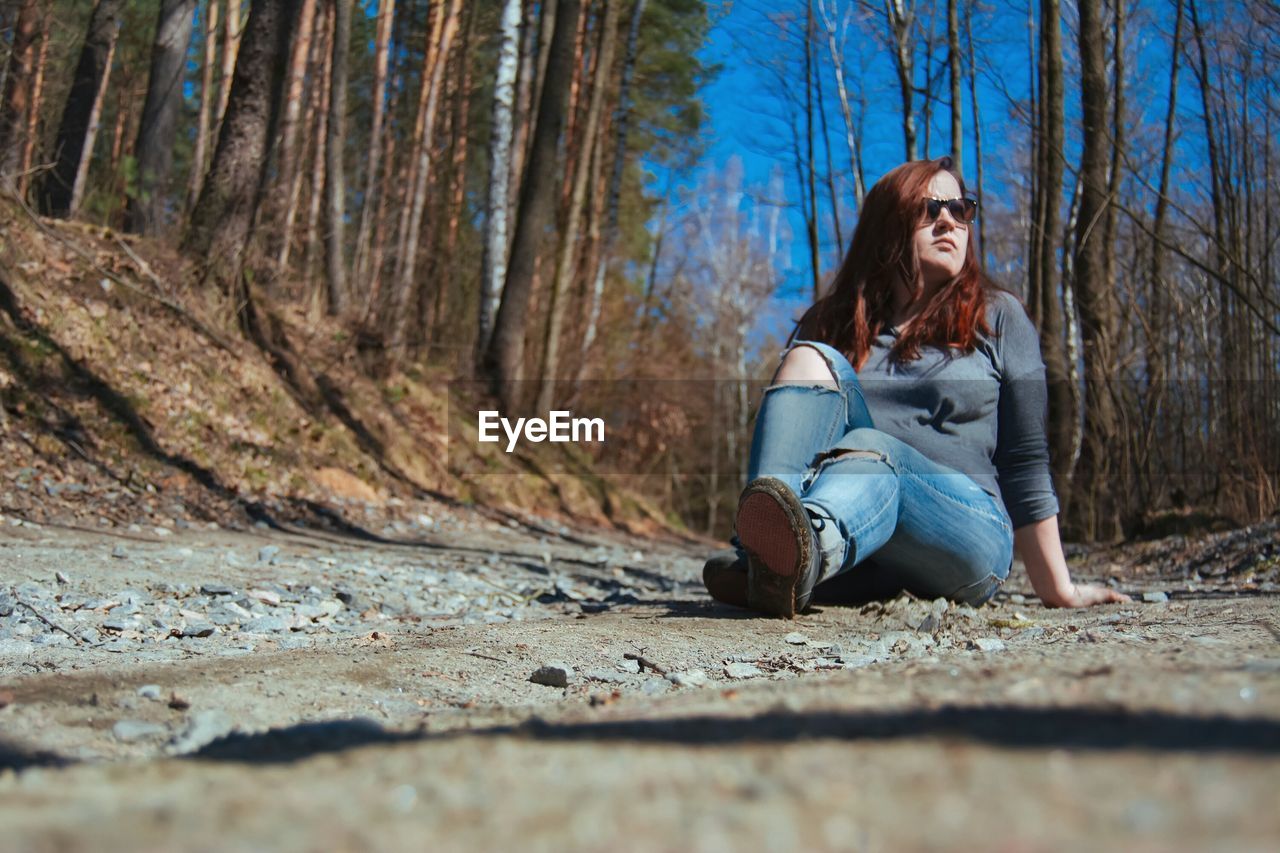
[769,529]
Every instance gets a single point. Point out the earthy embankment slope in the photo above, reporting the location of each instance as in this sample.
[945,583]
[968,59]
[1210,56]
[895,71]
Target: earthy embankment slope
[127,388]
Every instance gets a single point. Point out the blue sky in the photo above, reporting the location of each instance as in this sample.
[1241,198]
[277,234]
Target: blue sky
[744,108]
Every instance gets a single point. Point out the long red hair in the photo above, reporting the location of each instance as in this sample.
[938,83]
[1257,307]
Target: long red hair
[859,304]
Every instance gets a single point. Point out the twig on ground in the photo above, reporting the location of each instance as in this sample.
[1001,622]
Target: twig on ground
[645,663]
[46,620]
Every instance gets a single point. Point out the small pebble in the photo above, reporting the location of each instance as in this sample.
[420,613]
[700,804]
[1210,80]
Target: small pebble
[987,644]
[739,669]
[692,678]
[265,625]
[267,553]
[149,691]
[553,674]
[795,638]
[119,552]
[1155,597]
[61,579]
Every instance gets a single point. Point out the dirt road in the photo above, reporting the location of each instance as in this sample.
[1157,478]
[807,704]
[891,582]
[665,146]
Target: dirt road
[209,690]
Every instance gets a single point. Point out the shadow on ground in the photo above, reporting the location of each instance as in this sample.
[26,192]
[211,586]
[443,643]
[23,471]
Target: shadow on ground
[1004,727]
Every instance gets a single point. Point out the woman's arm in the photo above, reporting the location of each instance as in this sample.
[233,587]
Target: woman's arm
[1040,547]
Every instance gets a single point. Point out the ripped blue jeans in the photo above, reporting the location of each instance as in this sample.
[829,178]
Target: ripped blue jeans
[887,517]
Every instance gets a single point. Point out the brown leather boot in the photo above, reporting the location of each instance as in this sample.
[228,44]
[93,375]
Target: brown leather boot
[783,563]
[725,577]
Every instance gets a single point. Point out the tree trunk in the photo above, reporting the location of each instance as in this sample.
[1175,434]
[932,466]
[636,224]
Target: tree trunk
[527,78]
[54,195]
[621,125]
[1047,303]
[220,223]
[494,259]
[957,105]
[504,360]
[901,17]
[1097,311]
[815,262]
[1158,345]
[306,54]
[231,34]
[147,210]
[91,135]
[335,238]
[199,160]
[833,194]
[972,70]
[452,284]
[300,57]
[369,207]
[33,114]
[569,238]
[851,134]
[320,147]
[437,56]
[18,83]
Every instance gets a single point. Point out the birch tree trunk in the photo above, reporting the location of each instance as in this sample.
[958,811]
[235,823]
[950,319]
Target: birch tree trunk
[494,259]
[146,213]
[504,360]
[569,239]
[335,175]
[56,192]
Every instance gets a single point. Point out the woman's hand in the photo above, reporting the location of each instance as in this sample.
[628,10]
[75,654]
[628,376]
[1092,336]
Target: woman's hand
[1087,595]
[1040,546]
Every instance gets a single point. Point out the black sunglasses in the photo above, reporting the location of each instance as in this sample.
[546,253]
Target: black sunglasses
[961,209]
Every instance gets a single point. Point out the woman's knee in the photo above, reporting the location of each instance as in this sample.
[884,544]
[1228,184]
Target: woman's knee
[866,440]
[817,363]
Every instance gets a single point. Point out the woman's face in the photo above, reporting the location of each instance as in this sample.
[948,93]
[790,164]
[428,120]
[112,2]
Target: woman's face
[941,245]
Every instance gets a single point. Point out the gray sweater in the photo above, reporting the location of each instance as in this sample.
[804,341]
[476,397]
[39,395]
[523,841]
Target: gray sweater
[982,414]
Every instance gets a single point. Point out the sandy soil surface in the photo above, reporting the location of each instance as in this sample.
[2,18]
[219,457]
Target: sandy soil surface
[202,689]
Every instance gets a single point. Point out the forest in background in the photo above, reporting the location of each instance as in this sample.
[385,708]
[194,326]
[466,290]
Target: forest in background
[518,190]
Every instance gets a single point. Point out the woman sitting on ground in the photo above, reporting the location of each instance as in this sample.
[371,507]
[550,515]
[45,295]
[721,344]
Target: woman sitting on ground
[902,442]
